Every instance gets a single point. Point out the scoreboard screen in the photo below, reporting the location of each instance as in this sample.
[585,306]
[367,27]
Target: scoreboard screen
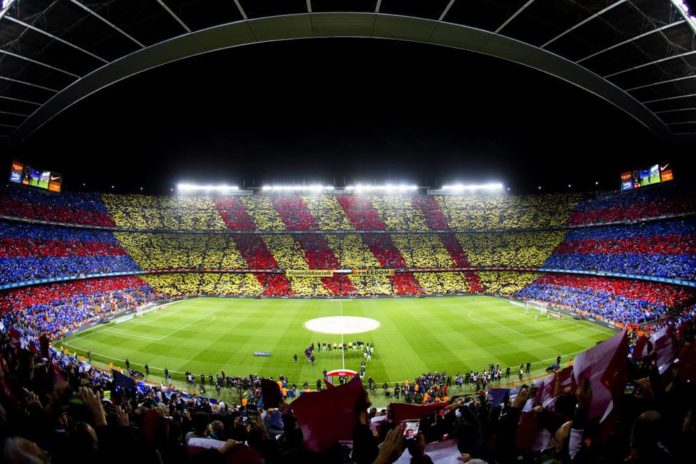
[655,174]
[32,177]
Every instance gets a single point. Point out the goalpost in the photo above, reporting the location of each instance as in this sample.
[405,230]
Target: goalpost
[538,308]
[140,311]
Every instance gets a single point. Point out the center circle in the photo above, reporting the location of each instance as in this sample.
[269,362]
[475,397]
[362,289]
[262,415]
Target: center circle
[341,325]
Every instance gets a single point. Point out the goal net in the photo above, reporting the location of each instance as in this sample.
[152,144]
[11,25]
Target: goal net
[539,307]
[142,310]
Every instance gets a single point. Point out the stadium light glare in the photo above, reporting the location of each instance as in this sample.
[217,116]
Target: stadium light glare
[388,188]
[686,12]
[6,4]
[5,7]
[314,188]
[488,187]
[191,188]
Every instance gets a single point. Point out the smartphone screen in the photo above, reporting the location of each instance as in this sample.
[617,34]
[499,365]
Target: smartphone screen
[411,428]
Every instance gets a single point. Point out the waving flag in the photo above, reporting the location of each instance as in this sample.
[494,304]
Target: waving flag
[328,416]
[604,365]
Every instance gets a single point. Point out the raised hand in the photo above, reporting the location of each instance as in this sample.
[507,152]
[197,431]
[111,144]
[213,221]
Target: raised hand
[93,403]
[392,447]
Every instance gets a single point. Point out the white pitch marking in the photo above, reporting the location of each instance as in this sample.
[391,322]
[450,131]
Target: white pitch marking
[339,325]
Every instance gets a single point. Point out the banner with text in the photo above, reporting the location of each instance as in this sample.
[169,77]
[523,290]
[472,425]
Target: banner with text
[308,273]
[379,272]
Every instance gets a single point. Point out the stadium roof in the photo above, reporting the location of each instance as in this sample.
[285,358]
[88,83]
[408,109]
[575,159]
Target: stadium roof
[635,54]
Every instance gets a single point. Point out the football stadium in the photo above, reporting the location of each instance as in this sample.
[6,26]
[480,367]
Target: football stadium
[181,286]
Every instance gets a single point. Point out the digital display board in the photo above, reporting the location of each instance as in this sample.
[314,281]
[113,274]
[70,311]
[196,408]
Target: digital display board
[643,177]
[17,172]
[27,175]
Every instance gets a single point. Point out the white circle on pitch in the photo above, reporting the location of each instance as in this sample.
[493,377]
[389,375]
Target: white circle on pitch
[342,325]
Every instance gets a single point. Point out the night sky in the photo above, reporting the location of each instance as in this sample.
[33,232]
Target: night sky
[340,111]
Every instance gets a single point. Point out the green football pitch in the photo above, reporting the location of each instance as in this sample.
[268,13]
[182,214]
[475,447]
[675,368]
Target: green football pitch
[415,335]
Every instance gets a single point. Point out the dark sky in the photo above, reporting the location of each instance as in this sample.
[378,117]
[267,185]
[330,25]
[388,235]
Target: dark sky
[344,110]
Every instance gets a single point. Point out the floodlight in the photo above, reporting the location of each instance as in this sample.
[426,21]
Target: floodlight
[685,9]
[190,188]
[488,187]
[389,188]
[315,188]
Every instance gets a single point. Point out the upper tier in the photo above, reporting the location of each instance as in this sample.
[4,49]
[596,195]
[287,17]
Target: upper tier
[343,212]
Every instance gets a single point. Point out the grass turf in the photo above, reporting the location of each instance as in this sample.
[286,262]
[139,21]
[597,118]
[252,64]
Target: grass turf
[416,335]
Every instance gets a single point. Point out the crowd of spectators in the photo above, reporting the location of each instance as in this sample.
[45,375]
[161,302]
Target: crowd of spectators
[294,212]
[440,283]
[660,249]
[604,408]
[505,283]
[68,208]
[62,307]
[620,301]
[423,251]
[287,253]
[179,212]
[255,252]
[256,284]
[182,251]
[193,284]
[57,406]
[634,205]
[327,212]
[239,213]
[29,251]
[674,319]
[372,285]
[344,211]
[360,212]
[234,214]
[398,212]
[263,214]
[493,212]
[510,249]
